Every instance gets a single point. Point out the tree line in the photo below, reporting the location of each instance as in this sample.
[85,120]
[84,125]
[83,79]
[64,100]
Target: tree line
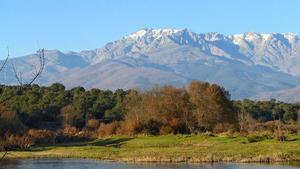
[197,108]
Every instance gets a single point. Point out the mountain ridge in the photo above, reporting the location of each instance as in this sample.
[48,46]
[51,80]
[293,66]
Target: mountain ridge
[246,64]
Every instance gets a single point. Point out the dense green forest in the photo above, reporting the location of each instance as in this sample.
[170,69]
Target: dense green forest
[39,111]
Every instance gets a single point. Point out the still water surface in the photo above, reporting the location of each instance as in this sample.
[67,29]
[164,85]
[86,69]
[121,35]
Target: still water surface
[94,164]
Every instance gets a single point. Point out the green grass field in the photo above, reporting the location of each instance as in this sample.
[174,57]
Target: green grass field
[171,148]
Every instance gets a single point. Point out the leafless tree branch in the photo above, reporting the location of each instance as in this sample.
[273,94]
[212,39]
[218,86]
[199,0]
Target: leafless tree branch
[5,61]
[17,74]
[37,71]
[2,66]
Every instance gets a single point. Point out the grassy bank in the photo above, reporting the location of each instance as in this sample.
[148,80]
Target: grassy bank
[172,148]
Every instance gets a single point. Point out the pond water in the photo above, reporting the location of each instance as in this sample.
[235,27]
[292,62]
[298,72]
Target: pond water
[94,164]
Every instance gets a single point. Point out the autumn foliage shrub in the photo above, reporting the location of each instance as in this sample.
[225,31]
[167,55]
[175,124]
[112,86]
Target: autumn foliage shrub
[150,127]
[42,136]
[127,128]
[165,130]
[15,142]
[266,126]
[92,124]
[72,134]
[292,128]
[108,129]
[10,122]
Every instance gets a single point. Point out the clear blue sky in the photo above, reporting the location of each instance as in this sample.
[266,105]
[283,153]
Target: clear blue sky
[74,25]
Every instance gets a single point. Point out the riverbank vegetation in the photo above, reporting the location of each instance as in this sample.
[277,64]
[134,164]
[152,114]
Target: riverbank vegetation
[172,148]
[34,115]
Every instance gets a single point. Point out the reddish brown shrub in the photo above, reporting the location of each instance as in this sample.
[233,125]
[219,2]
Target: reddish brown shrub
[92,124]
[108,129]
[267,126]
[42,136]
[72,134]
[13,142]
[292,128]
[126,128]
[165,130]
[70,130]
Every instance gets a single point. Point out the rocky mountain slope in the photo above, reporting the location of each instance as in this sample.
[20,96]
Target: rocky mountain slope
[245,64]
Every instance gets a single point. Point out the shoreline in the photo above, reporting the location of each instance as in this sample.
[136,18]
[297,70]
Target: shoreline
[170,149]
[167,161]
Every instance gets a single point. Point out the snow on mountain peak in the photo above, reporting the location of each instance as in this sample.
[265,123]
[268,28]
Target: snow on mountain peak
[156,33]
[189,36]
[213,36]
[250,37]
[253,37]
[267,49]
[292,37]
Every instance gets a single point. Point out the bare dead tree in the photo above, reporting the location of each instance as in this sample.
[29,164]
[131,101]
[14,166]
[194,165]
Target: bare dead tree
[4,62]
[38,69]
[36,72]
[2,66]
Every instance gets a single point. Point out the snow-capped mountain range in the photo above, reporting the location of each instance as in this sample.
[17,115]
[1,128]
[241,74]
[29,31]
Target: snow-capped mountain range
[246,64]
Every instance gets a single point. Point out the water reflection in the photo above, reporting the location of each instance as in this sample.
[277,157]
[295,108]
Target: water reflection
[94,164]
